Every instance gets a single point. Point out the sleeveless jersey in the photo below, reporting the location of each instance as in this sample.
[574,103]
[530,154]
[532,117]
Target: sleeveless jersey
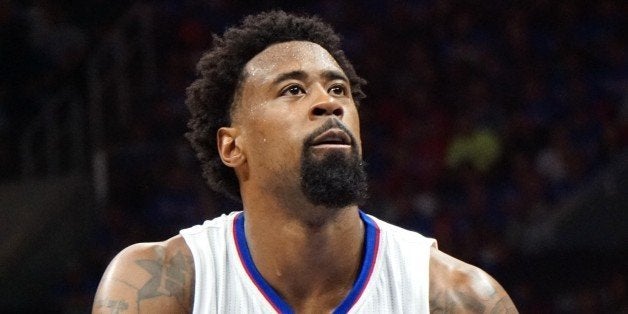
[393,278]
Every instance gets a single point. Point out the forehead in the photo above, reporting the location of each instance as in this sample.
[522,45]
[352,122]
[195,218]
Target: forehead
[290,56]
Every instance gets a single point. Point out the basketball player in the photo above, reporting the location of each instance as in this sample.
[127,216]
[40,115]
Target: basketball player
[275,125]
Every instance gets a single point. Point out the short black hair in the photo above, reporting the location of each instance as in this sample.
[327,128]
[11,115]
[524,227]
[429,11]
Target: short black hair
[211,97]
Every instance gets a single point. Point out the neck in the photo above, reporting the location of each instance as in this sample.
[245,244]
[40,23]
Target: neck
[307,259]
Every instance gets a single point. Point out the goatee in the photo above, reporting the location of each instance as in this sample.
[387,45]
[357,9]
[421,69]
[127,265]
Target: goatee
[336,179]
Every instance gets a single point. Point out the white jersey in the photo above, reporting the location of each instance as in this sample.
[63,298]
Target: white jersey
[394,276]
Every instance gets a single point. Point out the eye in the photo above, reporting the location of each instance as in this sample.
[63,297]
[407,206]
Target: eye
[292,90]
[338,90]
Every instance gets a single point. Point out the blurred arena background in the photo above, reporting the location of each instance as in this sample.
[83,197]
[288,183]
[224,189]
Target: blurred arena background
[500,128]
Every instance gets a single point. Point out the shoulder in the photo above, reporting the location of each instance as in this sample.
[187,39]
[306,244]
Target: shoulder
[148,278]
[458,287]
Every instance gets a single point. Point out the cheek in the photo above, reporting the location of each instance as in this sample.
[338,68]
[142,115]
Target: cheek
[352,121]
[272,143]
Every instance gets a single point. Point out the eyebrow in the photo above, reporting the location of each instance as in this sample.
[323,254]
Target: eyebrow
[292,75]
[329,75]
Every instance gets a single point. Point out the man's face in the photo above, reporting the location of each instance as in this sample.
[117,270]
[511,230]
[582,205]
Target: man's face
[299,127]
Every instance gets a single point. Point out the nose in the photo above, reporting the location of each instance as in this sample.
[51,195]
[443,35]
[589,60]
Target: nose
[326,105]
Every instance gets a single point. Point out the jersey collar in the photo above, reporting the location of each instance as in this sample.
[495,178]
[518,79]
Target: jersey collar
[371,247]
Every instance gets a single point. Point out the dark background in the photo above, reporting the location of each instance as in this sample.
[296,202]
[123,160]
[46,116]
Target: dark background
[499,128]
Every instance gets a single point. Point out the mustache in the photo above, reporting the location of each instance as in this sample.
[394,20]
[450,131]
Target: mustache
[331,123]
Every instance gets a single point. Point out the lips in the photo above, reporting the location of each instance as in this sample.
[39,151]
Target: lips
[332,137]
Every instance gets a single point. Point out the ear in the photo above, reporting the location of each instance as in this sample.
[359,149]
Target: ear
[229,148]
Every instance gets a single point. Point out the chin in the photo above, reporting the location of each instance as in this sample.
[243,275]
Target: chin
[335,181]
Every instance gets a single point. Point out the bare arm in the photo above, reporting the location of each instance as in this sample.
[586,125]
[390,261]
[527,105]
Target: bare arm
[457,287]
[148,278]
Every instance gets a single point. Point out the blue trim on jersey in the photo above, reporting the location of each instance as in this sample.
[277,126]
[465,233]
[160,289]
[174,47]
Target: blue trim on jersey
[271,295]
[371,243]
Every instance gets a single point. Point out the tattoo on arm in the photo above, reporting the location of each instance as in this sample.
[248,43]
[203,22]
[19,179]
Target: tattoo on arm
[115,306]
[452,301]
[169,277]
[504,305]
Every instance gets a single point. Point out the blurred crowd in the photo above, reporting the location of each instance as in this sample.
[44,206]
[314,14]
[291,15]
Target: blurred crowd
[480,119]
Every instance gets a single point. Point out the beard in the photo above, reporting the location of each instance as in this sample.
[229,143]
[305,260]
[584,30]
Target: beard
[335,180]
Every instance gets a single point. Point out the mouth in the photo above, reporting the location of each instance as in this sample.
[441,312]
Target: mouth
[332,138]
